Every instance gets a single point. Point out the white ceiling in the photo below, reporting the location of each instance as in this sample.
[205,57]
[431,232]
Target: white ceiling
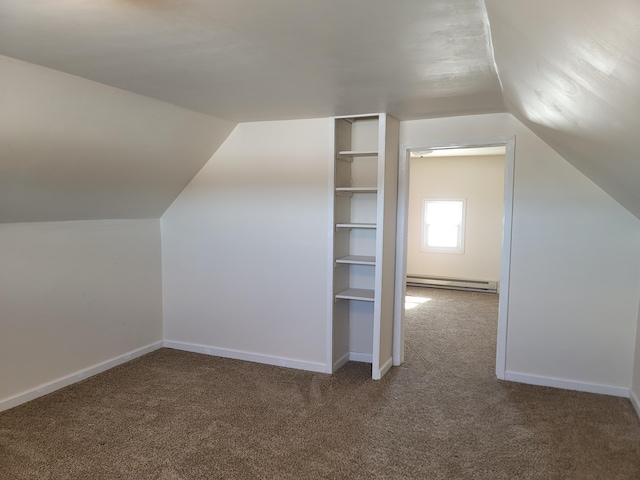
[569,70]
[245,60]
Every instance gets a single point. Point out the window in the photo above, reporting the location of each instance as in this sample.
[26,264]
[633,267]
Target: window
[443,225]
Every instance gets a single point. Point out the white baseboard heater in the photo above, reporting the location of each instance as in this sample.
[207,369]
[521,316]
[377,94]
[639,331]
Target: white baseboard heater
[453,283]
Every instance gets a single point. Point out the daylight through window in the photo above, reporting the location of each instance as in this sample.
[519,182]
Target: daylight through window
[443,225]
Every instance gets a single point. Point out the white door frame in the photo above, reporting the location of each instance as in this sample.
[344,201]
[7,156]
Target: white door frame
[509,142]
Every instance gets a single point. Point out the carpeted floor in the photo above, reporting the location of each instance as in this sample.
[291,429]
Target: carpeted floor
[442,415]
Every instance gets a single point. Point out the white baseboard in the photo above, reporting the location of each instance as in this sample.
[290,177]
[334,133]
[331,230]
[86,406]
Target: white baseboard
[340,362]
[361,357]
[567,384]
[383,370]
[67,380]
[247,356]
[634,401]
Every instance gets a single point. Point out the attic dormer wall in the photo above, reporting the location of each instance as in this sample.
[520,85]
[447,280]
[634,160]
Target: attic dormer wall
[86,170]
[244,266]
[245,250]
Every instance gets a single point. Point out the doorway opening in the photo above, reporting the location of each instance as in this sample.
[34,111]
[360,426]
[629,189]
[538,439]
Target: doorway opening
[437,225]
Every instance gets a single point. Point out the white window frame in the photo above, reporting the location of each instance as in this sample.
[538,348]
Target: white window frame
[459,249]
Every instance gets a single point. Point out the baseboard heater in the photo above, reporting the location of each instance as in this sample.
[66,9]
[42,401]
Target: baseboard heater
[453,283]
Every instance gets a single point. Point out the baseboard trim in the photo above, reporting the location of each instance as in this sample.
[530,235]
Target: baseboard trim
[341,361]
[361,357]
[247,356]
[567,384]
[635,401]
[384,369]
[67,380]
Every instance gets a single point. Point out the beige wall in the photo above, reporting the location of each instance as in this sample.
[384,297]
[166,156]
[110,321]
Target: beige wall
[479,180]
[73,295]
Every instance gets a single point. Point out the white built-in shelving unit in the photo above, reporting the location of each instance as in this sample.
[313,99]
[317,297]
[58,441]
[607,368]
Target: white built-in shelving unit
[364,223]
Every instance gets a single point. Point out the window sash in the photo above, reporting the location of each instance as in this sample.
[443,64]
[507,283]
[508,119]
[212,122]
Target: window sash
[443,222]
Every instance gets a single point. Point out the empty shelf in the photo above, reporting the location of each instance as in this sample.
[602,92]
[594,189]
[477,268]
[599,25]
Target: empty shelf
[349,154]
[357,260]
[352,190]
[356,225]
[356,294]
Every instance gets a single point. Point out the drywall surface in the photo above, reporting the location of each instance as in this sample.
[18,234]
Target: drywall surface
[575,261]
[569,70]
[480,181]
[245,246]
[245,253]
[256,60]
[75,294]
[635,388]
[73,149]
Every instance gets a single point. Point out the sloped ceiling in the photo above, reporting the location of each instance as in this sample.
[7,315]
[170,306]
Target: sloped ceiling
[569,70]
[71,149]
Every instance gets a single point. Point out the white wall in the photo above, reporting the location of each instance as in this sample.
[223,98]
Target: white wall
[478,179]
[635,388]
[575,264]
[73,295]
[245,247]
[245,254]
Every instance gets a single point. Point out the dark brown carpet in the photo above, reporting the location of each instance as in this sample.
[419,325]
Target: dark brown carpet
[442,415]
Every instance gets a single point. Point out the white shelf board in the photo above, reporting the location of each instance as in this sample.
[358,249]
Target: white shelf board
[348,155]
[356,294]
[357,260]
[369,226]
[352,190]
[358,153]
